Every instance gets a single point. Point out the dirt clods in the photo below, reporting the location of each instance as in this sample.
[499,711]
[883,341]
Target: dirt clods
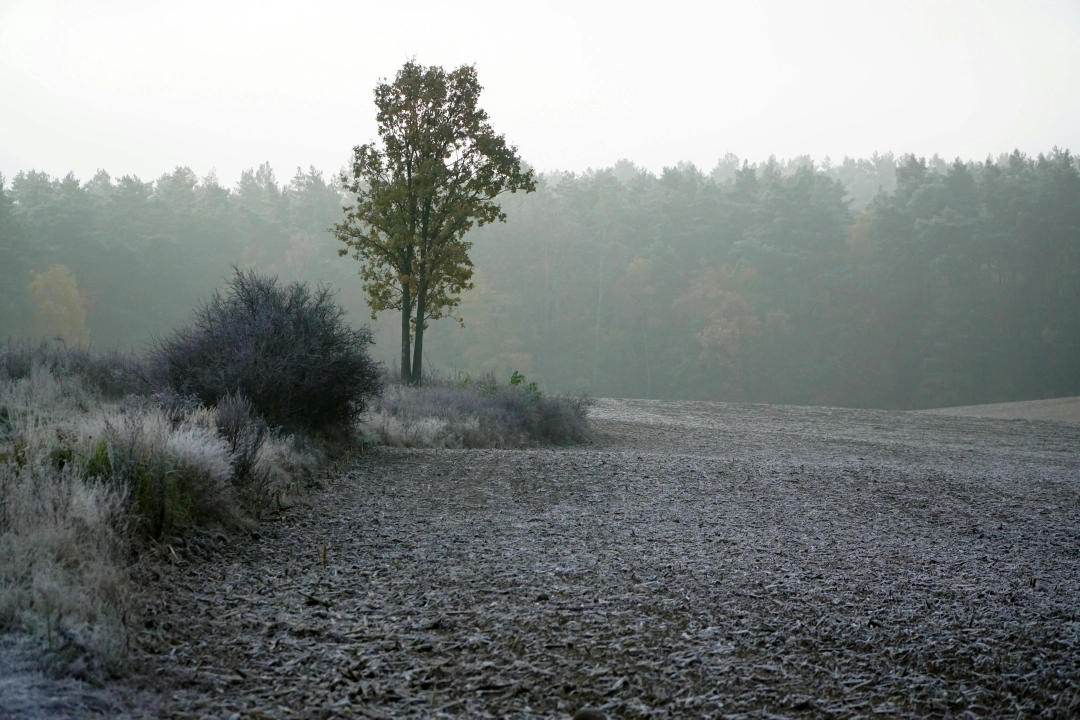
[697,560]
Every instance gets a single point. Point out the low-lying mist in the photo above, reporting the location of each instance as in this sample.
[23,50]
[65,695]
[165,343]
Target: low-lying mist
[882,282]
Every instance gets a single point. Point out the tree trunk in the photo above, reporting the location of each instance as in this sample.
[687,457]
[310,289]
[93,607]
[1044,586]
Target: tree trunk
[648,367]
[418,347]
[596,336]
[406,307]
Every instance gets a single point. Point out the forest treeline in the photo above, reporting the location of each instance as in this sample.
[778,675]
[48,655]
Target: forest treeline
[886,282]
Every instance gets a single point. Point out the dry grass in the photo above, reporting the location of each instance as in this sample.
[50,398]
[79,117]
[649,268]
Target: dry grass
[85,482]
[62,536]
[112,374]
[467,413]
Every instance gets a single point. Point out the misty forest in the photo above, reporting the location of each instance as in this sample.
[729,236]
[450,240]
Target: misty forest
[885,282]
[438,435]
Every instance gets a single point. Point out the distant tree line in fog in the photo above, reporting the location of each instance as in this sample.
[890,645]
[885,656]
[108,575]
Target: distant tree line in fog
[888,282]
[142,253]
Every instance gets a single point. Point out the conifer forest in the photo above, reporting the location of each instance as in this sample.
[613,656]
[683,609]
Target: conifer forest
[888,282]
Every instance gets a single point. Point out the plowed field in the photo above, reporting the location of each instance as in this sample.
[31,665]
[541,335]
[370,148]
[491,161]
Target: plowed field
[695,560]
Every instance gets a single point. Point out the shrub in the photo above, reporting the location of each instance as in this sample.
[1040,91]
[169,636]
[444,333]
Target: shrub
[113,373]
[245,432]
[475,412]
[286,348]
[266,466]
[284,467]
[175,475]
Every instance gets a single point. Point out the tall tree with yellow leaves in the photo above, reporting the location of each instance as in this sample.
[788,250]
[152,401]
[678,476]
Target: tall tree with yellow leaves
[437,172]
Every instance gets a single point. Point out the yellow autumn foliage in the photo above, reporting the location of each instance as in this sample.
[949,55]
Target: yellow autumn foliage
[61,310]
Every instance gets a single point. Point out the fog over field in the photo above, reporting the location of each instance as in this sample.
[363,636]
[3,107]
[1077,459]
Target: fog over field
[550,360]
[851,204]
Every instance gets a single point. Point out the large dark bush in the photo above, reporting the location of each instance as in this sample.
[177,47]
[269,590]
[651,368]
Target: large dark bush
[286,348]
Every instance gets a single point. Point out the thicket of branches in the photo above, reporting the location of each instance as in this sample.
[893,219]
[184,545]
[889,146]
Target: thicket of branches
[284,347]
[884,282]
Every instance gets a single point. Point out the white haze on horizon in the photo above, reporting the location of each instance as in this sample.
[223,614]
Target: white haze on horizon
[139,87]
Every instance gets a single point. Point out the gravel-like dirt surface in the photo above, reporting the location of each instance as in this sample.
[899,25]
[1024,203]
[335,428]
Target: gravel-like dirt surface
[696,560]
[29,693]
[1062,409]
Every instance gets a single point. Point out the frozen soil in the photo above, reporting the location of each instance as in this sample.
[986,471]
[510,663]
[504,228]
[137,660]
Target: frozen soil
[1063,409]
[695,560]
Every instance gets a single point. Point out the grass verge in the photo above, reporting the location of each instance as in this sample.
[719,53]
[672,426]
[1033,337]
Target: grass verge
[86,481]
[467,412]
[102,454]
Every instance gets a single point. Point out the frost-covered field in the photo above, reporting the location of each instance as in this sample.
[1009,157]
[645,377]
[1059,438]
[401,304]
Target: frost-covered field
[1063,409]
[695,560]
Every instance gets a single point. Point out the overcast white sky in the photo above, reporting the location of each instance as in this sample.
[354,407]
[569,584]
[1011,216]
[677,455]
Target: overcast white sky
[139,86]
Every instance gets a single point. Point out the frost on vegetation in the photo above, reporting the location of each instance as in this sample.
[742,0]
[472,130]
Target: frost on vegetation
[286,347]
[101,453]
[177,471]
[82,480]
[110,374]
[62,536]
[283,465]
[464,413]
[62,563]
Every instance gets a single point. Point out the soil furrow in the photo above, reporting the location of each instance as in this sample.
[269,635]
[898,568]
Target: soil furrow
[696,560]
